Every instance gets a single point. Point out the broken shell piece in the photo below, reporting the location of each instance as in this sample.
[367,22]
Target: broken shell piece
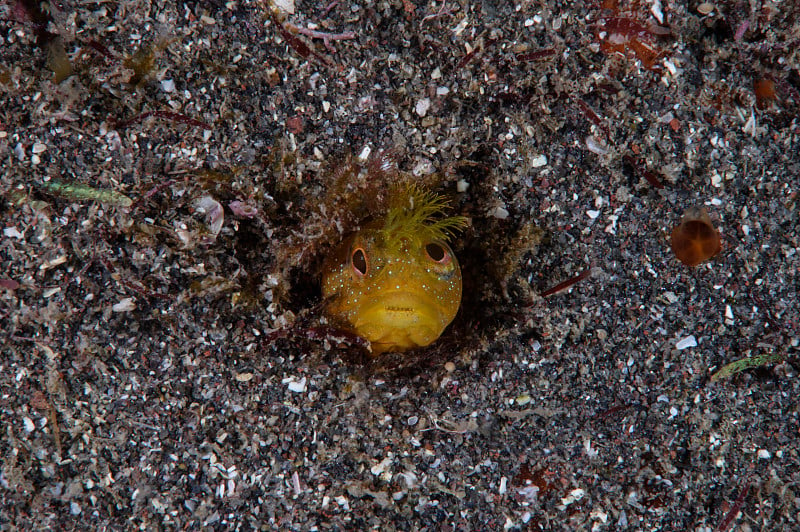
[243,208]
[764,90]
[214,216]
[696,239]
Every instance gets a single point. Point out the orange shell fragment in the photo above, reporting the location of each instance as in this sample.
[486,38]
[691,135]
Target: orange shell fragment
[696,239]
[764,90]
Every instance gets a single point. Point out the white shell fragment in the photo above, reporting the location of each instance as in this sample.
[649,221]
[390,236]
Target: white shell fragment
[596,146]
[168,85]
[243,209]
[214,215]
[287,6]
[422,106]
[705,8]
[296,386]
[499,212]
[685,343]
[381,466]
[12,232]
[574,495]
[124,305]
[539,161]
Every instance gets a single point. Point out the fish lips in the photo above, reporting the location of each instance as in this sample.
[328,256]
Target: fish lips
[402,319]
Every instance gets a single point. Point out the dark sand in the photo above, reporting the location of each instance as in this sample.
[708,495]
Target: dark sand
[160,372]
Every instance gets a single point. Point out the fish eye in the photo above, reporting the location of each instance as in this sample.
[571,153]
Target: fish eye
[437,253]
[359,261]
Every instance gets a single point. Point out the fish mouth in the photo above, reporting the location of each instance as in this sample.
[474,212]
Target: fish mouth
[402,308]
[399,321]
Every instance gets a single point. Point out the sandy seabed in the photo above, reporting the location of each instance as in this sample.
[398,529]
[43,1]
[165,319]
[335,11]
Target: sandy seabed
[167,193]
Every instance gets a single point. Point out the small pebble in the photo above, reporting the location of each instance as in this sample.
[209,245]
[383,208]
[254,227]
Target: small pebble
[539,161]
[422,106]
[124,305]
[499,212]
[595,146]
[685,343]
[167,85]
[19,151]
[12,232]
[705,8]
[297,386]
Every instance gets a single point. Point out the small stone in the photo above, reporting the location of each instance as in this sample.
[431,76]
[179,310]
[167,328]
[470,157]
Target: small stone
[287,6]
[523,399]
[297,386]
[539,161]
[705,8]
[381,466]
[685,343]
[728,315]
[124,305]
[596,146]
[12,232]
[167,85]
[422,106]
[574,495]
[501,213]
[599,514]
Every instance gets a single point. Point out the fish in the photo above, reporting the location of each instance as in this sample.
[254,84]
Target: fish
[396,282]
